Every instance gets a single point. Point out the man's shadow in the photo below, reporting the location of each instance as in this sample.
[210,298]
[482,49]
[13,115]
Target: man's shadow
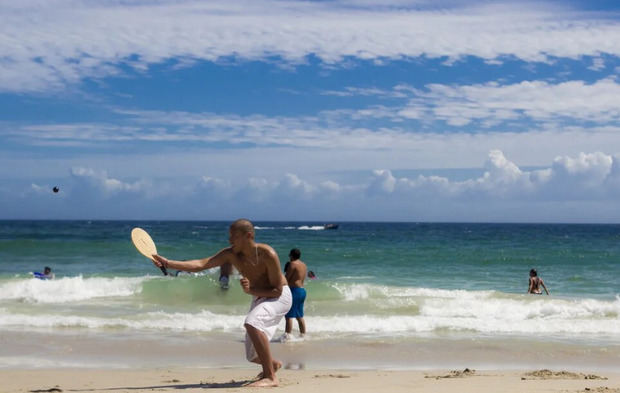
[202,385]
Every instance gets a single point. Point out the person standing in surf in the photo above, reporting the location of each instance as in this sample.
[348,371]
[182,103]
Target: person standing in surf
[295,271]
[259,266]
[226,271]
[535,283]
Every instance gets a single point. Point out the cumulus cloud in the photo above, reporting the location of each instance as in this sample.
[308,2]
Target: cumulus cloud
[588,168]
[294,187]
[589,183]
[330,189]
[589,176]
[212,185]
[502,179]
[580,177]
[383,182]
[100,183]
[50,45]
[585,177]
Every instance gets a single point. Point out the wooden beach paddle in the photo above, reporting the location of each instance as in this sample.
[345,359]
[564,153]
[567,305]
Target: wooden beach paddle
[145,245]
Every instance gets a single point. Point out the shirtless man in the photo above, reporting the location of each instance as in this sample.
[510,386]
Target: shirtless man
[259,266]
[535,283]
[295,271]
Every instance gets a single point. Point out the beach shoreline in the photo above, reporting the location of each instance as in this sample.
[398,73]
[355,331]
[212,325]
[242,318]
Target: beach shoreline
[106,324]
[192,380]
[92,349]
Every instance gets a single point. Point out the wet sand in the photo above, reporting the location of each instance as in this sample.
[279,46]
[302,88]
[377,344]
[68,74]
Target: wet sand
[72,348]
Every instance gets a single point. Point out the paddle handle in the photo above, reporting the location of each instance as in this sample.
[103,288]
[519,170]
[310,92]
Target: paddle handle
[162,268]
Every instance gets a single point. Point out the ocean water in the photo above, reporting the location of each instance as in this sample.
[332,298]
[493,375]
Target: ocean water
[376,281]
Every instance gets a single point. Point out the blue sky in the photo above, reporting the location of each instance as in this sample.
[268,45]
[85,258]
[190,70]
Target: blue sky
[310,111]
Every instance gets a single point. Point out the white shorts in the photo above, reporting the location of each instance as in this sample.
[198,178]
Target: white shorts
[265,315]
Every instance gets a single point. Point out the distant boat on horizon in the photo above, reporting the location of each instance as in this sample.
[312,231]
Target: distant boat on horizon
[330,226]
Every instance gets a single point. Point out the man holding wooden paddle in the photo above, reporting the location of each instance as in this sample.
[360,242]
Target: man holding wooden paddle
[259,266]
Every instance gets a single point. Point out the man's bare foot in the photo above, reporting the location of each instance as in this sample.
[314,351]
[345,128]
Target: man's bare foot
[276,366]
[264,383]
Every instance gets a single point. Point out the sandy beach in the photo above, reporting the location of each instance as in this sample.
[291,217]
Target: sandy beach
[71,362]
[191,380]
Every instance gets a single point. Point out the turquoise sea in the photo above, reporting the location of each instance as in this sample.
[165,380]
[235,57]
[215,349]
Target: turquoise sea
[376,281]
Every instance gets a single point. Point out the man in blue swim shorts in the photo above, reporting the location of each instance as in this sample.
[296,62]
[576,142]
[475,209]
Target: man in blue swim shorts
[295,272]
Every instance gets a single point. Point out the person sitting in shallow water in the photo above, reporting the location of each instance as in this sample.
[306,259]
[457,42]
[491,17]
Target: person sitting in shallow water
[46,275]
[535,283]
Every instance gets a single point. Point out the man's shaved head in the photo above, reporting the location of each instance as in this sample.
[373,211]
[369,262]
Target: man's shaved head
[242,225]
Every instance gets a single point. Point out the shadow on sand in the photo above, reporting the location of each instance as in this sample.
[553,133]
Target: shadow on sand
[201,385]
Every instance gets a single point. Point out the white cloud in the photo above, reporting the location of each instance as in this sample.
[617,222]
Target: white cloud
[587,177]
[501,180]
[492,105]
[584,177]
[592,168]
[37,189]
[49,45]
[383,183]
[598,64]
[293,187]
[103,185]
[74,134]
[255,190]
[588,183]
[351,91]
[304,147]
[536,100]
[330,189]
[213,185]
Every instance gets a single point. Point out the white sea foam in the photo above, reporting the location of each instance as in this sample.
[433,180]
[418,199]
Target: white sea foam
[352,292]
[432,318]
[311,228]
[354,309]
[203,321]
[302,228]
[69,289]
[479,311]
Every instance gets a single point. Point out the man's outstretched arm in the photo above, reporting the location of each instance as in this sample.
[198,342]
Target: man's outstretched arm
[194,265]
